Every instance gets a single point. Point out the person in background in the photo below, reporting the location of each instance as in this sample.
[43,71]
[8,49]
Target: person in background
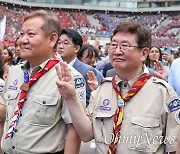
[70,42]
[17,58]
[88,55]
[155,54]
[133,105]
[152,62]
[174,75]
[37,119]
[2,83]
[7,57]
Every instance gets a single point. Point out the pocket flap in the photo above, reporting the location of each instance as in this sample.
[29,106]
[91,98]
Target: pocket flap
[145,121]
[103,115]
[9,95]
[45,100]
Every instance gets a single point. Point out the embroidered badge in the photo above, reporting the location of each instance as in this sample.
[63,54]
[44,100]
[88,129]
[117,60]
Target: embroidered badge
[81,94]
[177,116]
[14,86]
[174,105]
[79,82]
[105,105]
[1,89]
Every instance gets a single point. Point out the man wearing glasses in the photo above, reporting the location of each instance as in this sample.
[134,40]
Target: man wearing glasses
[132,112]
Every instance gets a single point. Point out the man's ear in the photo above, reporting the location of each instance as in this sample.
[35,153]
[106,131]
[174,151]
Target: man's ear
[145,53]
[53,39]
[77,48]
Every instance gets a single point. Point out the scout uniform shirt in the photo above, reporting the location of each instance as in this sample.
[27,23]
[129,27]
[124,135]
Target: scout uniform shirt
[150,122]
[42,124]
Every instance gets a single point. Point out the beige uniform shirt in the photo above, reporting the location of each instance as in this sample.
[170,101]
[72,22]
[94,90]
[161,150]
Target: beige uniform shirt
[148,125]
[42,124]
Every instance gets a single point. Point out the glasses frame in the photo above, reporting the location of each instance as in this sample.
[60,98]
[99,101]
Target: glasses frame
[120,46]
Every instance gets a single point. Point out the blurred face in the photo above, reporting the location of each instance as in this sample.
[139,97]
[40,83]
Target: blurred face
[17,49]
[123,56]
[66,48]
[5,55]
[88,59]
[35,46]
[154,54]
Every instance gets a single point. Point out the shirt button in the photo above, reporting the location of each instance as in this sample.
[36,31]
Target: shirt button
[125,84]
[102,120]
[13,147]
[44,102]
[15,130]
[154,79]
[20,114]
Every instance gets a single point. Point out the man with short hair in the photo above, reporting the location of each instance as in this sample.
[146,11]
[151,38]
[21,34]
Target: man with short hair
[69,44]
[132,112]
[37,119]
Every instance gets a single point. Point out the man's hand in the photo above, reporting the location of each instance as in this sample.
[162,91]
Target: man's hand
[65,82]
[92,81]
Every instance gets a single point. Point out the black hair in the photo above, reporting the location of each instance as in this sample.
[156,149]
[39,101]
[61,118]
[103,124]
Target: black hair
[74,35]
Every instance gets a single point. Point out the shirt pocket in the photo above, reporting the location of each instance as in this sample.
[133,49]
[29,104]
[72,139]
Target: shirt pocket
[145,134]
[102,127]
[43,110]
[11,101]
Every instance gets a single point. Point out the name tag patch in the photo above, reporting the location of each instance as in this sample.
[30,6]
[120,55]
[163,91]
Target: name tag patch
[174,105]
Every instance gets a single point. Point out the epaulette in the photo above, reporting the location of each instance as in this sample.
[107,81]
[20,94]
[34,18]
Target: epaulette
[107,79]
[164,83]
[160,81]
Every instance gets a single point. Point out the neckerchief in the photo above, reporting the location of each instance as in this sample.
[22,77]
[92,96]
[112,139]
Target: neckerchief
[118,117]
[24,89]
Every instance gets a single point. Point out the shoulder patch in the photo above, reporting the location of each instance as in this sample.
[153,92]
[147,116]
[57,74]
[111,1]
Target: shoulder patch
[1,89]
[174,105]
[177,116]
[79,82]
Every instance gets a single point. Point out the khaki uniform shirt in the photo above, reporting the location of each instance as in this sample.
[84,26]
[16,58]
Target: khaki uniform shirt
[148,126]
[42,124]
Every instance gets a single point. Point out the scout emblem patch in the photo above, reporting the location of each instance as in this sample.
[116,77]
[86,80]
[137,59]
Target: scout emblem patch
[81,94]
[177,116]
[14,86]
[1,89]
[174,105]
[105,105]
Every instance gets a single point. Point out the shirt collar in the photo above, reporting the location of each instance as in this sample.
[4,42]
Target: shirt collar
[73,61]
[130,82]
[26,66]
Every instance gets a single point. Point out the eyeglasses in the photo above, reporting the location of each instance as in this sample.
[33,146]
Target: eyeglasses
[63,43]
[123,47]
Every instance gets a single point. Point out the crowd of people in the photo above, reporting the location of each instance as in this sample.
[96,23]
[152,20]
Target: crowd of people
[164,26]
[57,90]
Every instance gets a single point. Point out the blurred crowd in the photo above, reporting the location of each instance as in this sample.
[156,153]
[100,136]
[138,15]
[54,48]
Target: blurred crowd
[164,26]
